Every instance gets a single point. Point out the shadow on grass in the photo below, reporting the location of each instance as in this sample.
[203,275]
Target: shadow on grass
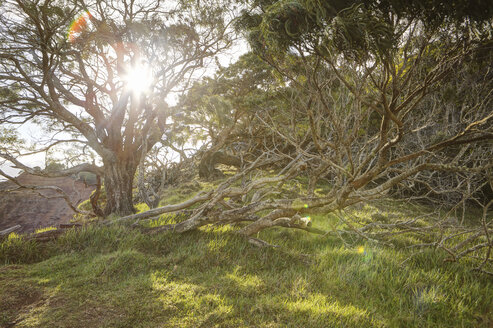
[114,277]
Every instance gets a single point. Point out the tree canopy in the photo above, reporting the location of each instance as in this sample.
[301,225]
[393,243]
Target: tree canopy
[101,72]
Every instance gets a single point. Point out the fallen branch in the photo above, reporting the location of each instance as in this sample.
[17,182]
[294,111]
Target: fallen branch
[45,235]
[7,231]
[164,209]
[52,234]
[260,243]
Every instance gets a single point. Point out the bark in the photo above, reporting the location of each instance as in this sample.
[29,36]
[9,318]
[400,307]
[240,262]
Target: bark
[213,156]
[95,197]
[207,166]
[118,183]
[6,232]
[164,209]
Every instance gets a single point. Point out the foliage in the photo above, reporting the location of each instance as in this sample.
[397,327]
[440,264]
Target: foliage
[104,84]
[9,137]
[340,103]
[40,230]
[54,166]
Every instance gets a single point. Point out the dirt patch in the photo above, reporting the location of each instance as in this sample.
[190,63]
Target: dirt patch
[16,298]
[32,211]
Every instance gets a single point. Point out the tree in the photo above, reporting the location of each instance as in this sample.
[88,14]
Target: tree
[103,80]
[358,107]
[223,110]
[366,84]
[362,64]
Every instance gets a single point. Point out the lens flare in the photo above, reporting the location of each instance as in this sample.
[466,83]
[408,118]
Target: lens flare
[78,26]
[138,79]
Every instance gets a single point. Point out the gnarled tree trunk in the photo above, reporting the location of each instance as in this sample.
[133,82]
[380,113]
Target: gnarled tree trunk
[207,166]
[118,181]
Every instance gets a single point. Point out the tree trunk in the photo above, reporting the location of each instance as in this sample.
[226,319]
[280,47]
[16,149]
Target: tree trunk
[207,166]
[118,180]
[95,197]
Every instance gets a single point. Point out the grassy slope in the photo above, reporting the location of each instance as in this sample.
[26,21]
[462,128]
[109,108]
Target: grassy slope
[117,277]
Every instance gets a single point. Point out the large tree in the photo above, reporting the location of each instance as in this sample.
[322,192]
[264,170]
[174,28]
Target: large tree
[374,101]
[99,73]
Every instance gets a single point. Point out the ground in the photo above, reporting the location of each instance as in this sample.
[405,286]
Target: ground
[121,277]
[32,211]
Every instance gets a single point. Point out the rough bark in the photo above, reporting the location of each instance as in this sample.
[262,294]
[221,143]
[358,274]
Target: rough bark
[118,181]
[95,197]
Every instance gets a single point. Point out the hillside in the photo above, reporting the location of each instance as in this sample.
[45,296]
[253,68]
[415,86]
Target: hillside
[32,211]
[263,164]
[123,276]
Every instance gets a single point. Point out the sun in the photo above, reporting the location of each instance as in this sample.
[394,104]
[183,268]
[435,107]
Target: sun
[138,79]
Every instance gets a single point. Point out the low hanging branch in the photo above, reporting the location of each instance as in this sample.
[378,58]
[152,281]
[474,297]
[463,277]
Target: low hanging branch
[53,174]
[216,210]
[41,236]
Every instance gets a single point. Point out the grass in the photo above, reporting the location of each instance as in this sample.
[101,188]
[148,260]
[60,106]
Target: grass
[118,277]
[40,230]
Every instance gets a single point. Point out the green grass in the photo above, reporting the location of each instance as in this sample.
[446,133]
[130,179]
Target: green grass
[40,230]
[118,277]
